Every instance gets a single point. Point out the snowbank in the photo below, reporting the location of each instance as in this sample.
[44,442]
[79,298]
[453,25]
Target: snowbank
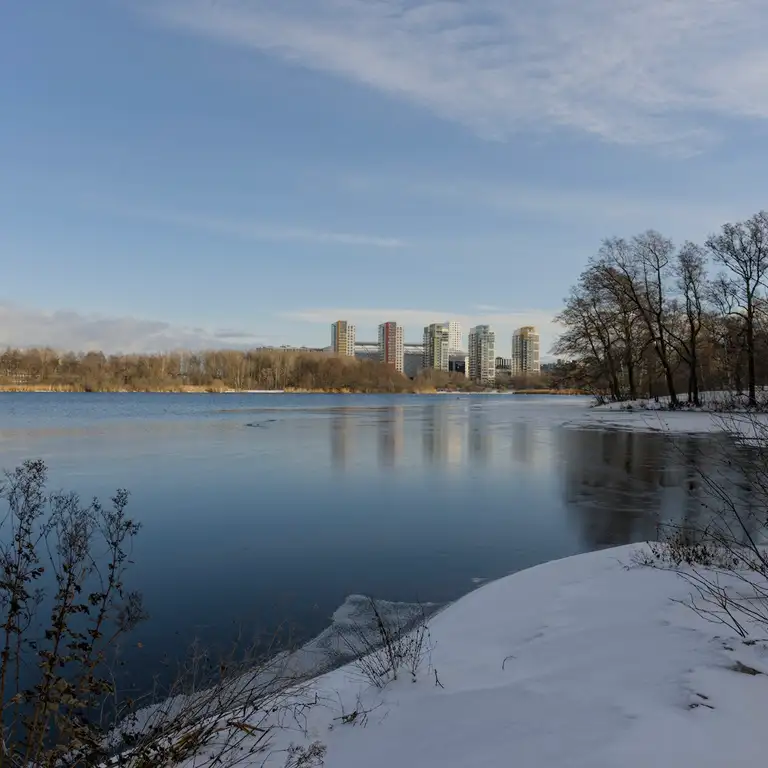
[715,415]
[579,662]
[652,420]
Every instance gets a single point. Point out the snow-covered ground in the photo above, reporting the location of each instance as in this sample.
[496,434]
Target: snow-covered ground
[579,662]
[653,416]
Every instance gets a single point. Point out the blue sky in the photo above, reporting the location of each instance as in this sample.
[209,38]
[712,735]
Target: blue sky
[200,172]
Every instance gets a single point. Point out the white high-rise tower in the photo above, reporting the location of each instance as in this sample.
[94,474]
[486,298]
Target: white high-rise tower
[436,343]
[455,341]
[482,354]
[525,351]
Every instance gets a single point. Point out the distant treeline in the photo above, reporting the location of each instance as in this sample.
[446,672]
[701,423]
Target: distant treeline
[213,370]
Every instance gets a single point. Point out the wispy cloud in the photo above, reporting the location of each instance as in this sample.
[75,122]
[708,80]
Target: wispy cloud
[414,320]
[694,217]
[628,71]
[247,229]
[67,330]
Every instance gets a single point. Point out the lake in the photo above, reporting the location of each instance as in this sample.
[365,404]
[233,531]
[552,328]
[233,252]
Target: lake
[259,510]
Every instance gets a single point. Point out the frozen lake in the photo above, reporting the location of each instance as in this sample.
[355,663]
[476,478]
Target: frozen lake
[266,509]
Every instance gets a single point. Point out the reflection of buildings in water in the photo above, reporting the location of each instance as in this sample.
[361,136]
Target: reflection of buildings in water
[391,438]
[522,441]
[622,484]
[443,436]
[480,435]
[454,437]
[341,435]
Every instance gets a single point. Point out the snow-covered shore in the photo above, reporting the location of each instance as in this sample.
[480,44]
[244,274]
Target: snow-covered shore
[580,662]
[652,420]
[720,412]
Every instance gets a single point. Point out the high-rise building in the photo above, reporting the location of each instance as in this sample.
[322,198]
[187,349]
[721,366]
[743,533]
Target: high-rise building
[391,345]
[436,347]
[455,342]
[343,338]
[482,354]
[525,351]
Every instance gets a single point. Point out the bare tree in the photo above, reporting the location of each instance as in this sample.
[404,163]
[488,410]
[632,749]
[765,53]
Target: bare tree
[640,271]
[691,279]
[742,248]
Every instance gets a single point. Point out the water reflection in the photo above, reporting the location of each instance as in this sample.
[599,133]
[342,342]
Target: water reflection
[341,425]
[480,435]
[443,434]
[619,486]
[522,441]
[391,438]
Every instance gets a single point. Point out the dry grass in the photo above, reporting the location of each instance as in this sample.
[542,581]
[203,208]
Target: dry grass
[550,392]
[78,388]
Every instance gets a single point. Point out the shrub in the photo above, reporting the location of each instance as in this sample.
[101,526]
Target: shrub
[62,564]
[395,645]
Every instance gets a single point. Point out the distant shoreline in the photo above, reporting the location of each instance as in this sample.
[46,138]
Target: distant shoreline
[204,390]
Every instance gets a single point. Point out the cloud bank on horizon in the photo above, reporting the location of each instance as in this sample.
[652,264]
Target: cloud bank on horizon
[632,72]
[73,331]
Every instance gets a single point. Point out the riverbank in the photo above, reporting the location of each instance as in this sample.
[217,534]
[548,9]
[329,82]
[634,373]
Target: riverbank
[198,390]
[587,662]
[75,388]
[719,412]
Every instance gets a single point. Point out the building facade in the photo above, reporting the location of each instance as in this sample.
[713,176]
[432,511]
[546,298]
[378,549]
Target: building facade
[391,345]
[343,338]
[436,347]
[525,351]
[482,354]
[455,341]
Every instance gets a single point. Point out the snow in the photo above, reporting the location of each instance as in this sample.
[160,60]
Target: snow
[653,416]
[678,422]
[582,662]
[341,641]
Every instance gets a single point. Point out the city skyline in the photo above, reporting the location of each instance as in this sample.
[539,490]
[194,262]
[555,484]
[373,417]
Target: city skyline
[438,351]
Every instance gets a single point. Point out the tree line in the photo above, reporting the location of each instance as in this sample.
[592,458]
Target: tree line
[214,370]
[646,318]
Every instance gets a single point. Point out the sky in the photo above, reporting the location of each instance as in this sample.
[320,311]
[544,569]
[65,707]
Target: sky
[196,173]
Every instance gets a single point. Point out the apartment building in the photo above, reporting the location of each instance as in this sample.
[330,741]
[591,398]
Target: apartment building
[525,351]
[455,341]
[436,347]
[391,345]
[482,354]
[343,338]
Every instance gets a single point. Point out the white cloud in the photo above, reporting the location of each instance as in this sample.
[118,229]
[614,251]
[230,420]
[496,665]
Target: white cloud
[67,330]
[414,320]
[628,71]
[249,229]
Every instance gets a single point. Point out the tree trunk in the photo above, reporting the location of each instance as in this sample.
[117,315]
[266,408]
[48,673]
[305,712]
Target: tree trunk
[631,380]
[751,354]
[693,381]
